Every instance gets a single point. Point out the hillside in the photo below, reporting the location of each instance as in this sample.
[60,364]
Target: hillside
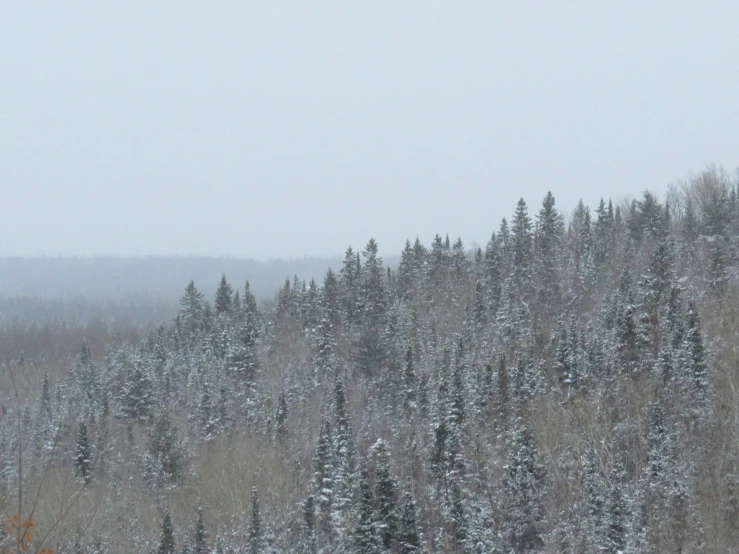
[570,387]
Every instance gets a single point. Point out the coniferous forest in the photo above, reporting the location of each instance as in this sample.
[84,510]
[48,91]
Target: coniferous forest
[572,386]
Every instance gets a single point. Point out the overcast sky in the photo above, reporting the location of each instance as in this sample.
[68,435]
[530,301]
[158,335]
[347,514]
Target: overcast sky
[273,129]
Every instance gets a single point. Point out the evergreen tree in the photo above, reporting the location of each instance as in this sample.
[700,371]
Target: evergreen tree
[594,488]
[324,470]
[167,543]
[603,233]
[522,242]
[309,521]
[660,273]
[524,481]
[282,419]
[366,539]
[503,399]
[344,456]
[200,540]
[408,536]
[460,262]
[83,455]
[167,459]
[224,297]
[373,299]
[192,310]
[410,385]
[349,280]
[135,400]
[206,416]
[385,491]
[255,530]
[494,271]
[697,374]
[331,298]
[548,237]
[615,536]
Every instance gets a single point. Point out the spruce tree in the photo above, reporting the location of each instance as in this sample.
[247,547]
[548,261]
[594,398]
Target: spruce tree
[522,242]
[385,496]
[200,540]
[309,522]
[281,418]
[167,458]
[365,538]
[523,482]
[224,297]
[410,385]
[323,475]
[83,455]
[349,281]
[408,537]
[167,542]
[615,519]
[548,236]
[331,299]
[206,416]
[697,374]
[192,310]
[255,529]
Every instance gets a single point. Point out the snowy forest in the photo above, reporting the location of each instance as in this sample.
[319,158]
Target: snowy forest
[572,386]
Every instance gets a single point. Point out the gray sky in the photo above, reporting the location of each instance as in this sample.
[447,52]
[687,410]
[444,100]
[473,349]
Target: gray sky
[270,129]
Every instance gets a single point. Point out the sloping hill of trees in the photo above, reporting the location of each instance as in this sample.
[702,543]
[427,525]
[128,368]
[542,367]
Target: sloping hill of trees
[571,387]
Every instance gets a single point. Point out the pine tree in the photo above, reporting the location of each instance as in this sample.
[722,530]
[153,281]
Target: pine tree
[243,359]
[281,418]
[503,396]
[207,418]
[200,540]
[410,384]
[385,490]
[192,310]
[373,299]
[523,483]
[323,474]
[167,458]
[255,530]
[457,514]
[224,297]
[309,522]
[522,242]
[331,299]
[602,234]
[594,488]
[615,521]
[349,281]
[83,455]
[457,406]
[167,543]
[697,375]
[460,262]
[494,270]
[549,230]
[344,456]
[660,273]
[408,537]
[366,539]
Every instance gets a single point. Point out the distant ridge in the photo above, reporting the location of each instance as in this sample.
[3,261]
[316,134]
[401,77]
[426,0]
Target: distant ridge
[161,277]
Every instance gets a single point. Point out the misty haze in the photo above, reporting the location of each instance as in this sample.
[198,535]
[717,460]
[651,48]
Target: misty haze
[383,278]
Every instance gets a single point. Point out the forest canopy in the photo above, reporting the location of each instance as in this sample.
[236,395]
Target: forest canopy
[571,386]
